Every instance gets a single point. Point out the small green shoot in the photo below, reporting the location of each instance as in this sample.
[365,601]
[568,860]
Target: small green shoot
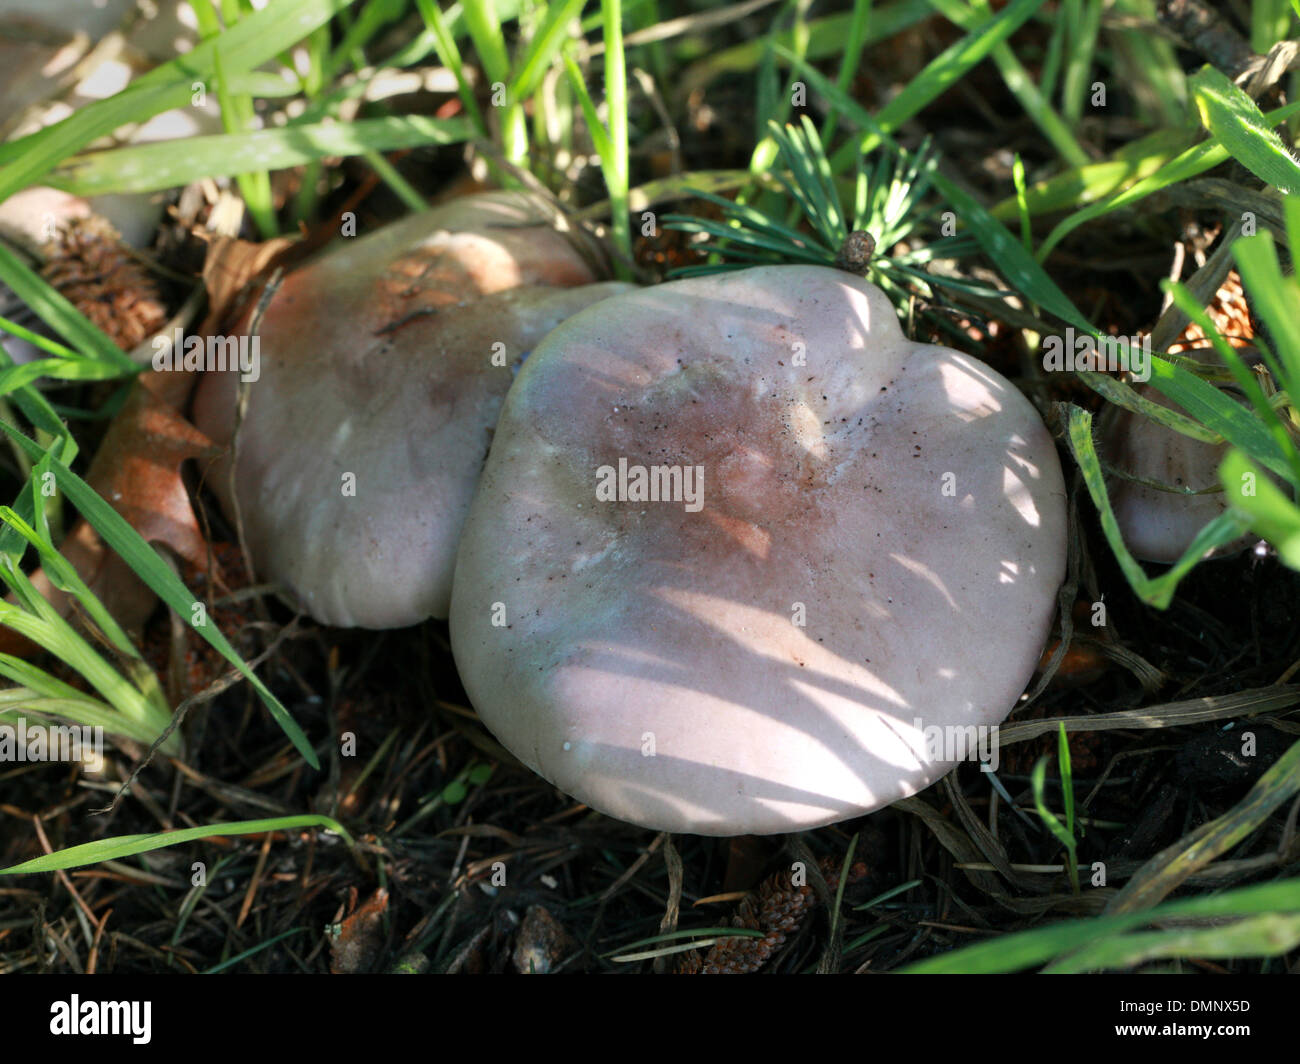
[1064,832]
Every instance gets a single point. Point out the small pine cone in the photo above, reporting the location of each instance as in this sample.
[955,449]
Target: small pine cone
[1230,314]
[690,963]
[777,908]
[95,272]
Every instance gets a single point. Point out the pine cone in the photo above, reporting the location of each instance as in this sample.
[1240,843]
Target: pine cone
[95,272]
[777,908]
[1230,315]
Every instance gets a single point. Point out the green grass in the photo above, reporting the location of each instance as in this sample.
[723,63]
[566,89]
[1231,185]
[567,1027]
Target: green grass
[541,80]
[1260,921]
[130,845]
[1063,830]
[888,201]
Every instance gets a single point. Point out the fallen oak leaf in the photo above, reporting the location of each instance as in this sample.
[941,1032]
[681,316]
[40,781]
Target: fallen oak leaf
[137,467]
[137,471]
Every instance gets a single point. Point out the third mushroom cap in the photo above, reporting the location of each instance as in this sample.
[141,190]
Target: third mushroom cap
[744,559]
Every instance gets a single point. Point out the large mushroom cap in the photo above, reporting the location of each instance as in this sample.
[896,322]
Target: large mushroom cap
[383,366]
[876,551]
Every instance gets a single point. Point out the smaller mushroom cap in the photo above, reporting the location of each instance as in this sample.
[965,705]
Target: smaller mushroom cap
[383,366]
[1159,525]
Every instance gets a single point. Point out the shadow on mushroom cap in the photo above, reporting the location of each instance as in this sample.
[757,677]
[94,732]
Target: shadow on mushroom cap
[771,660]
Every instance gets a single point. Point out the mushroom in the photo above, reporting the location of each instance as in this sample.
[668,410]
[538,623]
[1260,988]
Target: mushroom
[383,365]
[744,559]
[1168,488]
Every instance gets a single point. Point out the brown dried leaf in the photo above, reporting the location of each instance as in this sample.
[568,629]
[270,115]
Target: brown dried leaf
[356,943]
[230,268]
[137,469]
[542,942]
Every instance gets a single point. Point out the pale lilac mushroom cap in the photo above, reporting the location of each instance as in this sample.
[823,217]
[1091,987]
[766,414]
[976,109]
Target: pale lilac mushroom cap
[1159,523]
[876,552]
[383,367]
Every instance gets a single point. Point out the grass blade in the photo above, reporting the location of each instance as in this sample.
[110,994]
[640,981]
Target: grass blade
[150,167]
[615,166]
[89,853]
[1268,935]
[257,39]
[146,564]
[939,75]
[1163,874]
[545,46]
[1232,118]
[1272,514]
[1192,162]
[1009,953]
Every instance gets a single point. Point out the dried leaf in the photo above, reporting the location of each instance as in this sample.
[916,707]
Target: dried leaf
[541,944]
[356,943]
[137,470]
[231,267]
